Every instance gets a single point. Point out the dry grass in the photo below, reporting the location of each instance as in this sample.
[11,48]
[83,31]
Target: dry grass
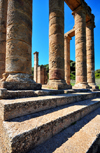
[97,82]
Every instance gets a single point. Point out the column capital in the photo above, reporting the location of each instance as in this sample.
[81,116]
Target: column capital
[81,7]
[68,37]
[91,22]
[36,52]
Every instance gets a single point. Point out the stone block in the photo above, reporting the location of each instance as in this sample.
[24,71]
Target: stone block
[21,32]
[16,17]
[3,92]
[24,133]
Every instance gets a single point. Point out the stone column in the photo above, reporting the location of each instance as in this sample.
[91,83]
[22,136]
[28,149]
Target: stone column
[67,58]
[42,74]
[56,45]
[35,66]
[39,74]
[80,44]
[18,46]
[90,54]
[45,76]
[3,20]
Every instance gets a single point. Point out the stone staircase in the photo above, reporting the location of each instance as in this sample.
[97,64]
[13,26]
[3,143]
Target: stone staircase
[81,137]
[27,122]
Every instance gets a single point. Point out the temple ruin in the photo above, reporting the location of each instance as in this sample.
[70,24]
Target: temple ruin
[40,74]
[30,114]
[15,45]
[90,25]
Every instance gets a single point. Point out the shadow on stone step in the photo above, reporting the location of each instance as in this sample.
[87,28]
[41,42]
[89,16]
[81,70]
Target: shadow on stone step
[59,139]
[49,111]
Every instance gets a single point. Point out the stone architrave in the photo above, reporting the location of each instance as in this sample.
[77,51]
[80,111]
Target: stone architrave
[3,19]
[90,25]
[35,66]
[67,58]
[56,45]
[18,47]
[80,44]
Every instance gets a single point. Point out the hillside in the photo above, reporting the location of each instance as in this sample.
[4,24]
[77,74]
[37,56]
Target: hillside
[72,70]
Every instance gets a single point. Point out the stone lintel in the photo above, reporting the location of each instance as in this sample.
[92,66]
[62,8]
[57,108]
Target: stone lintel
[70,33]
[73,3]
[67,37]
[81,7]
[87,10]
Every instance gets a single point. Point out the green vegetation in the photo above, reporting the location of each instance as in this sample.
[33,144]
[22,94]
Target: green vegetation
[72,69]
[47,68]
[72,73]
[72,84]
[97,74]
[72,76]
[97,77]
[98,82]
[33,71]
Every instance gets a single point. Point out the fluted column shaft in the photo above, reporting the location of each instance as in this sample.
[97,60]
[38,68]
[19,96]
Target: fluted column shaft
[18,73]
[36,66]
[90,54]
[67,59]
[80,44]
[3,20]
[56,45]
[56,40]
[19,33]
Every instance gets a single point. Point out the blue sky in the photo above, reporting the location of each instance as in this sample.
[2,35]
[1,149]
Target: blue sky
[40,36]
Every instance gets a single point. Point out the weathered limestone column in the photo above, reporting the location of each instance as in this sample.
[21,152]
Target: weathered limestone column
[90,54]
[41,74]
[18,46]
[35,66]
[67,58]
[56,45]
[80,44]
[3,20]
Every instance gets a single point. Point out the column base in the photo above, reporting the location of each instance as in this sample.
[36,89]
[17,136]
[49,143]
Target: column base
[93,86]
[19,81]
[83,85]
[58,84]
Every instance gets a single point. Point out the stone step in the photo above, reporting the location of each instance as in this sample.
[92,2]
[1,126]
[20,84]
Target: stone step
[81,137]
[11,108]
[23,133]
[10,94]
[82,142]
